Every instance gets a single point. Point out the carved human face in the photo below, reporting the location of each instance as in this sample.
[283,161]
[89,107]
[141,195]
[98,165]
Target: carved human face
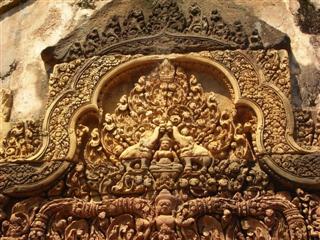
[164,207]
[165,145]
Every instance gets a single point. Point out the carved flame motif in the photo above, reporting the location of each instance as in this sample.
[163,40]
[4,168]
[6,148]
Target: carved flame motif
[169,97]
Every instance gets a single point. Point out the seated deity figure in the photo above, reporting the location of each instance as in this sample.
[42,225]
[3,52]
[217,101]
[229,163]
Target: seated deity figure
[165,158]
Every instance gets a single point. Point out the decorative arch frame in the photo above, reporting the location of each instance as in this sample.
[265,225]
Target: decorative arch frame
[244,69]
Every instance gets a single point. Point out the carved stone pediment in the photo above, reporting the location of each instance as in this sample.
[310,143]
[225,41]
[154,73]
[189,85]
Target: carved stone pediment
[169,120]
[177,146]
[79,85]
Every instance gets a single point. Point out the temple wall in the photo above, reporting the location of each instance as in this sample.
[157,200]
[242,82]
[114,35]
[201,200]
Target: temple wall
[25,31]
[305,63]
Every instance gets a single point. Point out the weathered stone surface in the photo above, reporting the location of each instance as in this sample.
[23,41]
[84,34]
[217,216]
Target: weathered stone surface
[308,16]
[304,53]
[227,13]
[25,31]
[6,5]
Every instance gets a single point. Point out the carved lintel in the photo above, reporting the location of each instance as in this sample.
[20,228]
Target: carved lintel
[265,216]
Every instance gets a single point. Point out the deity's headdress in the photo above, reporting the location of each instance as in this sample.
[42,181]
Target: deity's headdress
[165,194]
[165,137]
[166,71]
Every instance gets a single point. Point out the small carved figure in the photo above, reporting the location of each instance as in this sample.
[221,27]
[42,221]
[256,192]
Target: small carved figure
[197,23]
[255,40]
[134,24]
[165,220]
[112,31]
[166,14]
[165,158]
[165,155]
[78,230]
[17,226]
[94,152]
[77,183]
[92,43]
[75,51]
[218,26]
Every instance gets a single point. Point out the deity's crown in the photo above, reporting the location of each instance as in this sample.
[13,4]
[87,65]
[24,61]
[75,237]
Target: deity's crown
[166,71]
[165,194]
[165,137]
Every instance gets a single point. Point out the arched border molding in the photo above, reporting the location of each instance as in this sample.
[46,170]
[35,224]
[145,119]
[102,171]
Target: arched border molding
[75,86]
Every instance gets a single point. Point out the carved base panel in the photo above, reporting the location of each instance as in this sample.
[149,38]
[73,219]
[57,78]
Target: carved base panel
[166,217]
